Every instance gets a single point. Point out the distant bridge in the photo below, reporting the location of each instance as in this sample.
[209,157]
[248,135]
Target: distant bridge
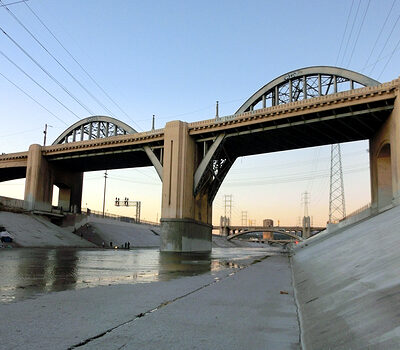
[279,230]
[240,230]
[305,108]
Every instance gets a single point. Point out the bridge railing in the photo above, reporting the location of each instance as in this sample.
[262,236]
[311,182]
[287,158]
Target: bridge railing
[356,212]
[299,104]
[99,214]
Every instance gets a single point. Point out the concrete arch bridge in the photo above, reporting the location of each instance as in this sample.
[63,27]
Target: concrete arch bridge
[304,108]
[291,236]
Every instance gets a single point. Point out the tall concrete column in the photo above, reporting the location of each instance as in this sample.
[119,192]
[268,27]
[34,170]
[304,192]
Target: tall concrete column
[70,185]
[39,181]
[185,219]
[385,161]
[395,149]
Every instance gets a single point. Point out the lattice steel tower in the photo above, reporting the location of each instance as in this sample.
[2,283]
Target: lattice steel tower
[337,209]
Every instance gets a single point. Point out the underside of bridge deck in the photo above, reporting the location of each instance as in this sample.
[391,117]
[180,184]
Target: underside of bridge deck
[101,160]
[12,173]
[352,123]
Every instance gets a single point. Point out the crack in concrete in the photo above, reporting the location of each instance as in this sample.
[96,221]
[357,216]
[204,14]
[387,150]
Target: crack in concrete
[143,314]
[298,311]
[165,303]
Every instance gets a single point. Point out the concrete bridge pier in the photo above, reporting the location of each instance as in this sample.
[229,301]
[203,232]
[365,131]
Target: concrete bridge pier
[39,181]
[186,219]
[40,177]
[384,149]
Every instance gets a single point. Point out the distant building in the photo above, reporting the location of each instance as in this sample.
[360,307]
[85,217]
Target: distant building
[268,223]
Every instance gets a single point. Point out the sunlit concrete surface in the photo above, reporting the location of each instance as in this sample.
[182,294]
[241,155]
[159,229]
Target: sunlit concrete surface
[229,309]
[348,286]
[245,310]
[36,231]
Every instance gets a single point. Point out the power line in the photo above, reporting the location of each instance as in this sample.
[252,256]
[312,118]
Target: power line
[83,69]
[289,179]
[314,167]
[293,164]
[351,32]
[46,72]
[44,89]
[387,40]
[344,33]
[359,31]
[379,35]
[396,47]
[20,132]
[33,99]
[54,58]
[13,3]
[381,59]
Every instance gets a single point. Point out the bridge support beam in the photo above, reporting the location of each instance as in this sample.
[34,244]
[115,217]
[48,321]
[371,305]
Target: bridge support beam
[185,218]
[39,181]
[384,150]
[70,189]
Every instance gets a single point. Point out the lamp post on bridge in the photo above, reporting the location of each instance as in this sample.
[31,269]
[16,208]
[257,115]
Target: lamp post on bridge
[105,185]
[45,133]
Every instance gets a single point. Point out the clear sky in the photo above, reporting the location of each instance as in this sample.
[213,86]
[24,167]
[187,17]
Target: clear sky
[174,59]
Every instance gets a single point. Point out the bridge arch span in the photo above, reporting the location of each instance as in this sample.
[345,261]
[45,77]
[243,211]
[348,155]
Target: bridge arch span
[300,84]
[266,229]
[94,127]
[305,83]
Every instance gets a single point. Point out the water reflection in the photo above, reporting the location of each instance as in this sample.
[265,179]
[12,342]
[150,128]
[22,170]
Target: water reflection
[177,265]
[26,273]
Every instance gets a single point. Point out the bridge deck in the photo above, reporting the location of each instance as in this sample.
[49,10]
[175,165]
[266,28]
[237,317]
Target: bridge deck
[345,116]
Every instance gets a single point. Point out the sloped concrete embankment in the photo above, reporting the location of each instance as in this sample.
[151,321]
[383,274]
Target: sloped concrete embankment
[348,286]
[98,230]
[30,230]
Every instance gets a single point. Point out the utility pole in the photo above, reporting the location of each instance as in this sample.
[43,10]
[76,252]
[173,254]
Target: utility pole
[45,133]
[153,123]
[104,197]
[216,111]
[337,209]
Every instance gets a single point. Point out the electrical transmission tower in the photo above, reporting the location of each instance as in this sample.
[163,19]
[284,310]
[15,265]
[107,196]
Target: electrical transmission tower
[306,218]
[244,218]
[337,209]
[228,207]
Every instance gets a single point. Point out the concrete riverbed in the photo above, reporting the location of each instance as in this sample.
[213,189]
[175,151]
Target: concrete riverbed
[230,308]
[338,290]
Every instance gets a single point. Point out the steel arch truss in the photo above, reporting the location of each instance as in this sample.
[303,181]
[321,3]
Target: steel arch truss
[94,128]
[305,83]
[290,87]
[213,169]
[97,127]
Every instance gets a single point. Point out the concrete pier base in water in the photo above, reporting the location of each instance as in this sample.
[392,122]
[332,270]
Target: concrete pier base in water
[185,235]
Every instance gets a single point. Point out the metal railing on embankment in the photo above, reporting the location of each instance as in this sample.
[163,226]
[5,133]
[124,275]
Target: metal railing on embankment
[356,212]
[129,219]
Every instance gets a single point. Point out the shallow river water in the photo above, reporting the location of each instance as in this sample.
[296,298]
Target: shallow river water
[27,273]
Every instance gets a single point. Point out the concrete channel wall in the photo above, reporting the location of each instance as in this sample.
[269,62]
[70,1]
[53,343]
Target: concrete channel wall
[11,202]
[348,286]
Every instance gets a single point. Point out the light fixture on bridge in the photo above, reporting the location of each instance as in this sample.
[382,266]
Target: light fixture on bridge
[45,133]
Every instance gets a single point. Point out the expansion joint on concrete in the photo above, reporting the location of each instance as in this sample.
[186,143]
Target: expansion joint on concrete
[148,312]
[296,301]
